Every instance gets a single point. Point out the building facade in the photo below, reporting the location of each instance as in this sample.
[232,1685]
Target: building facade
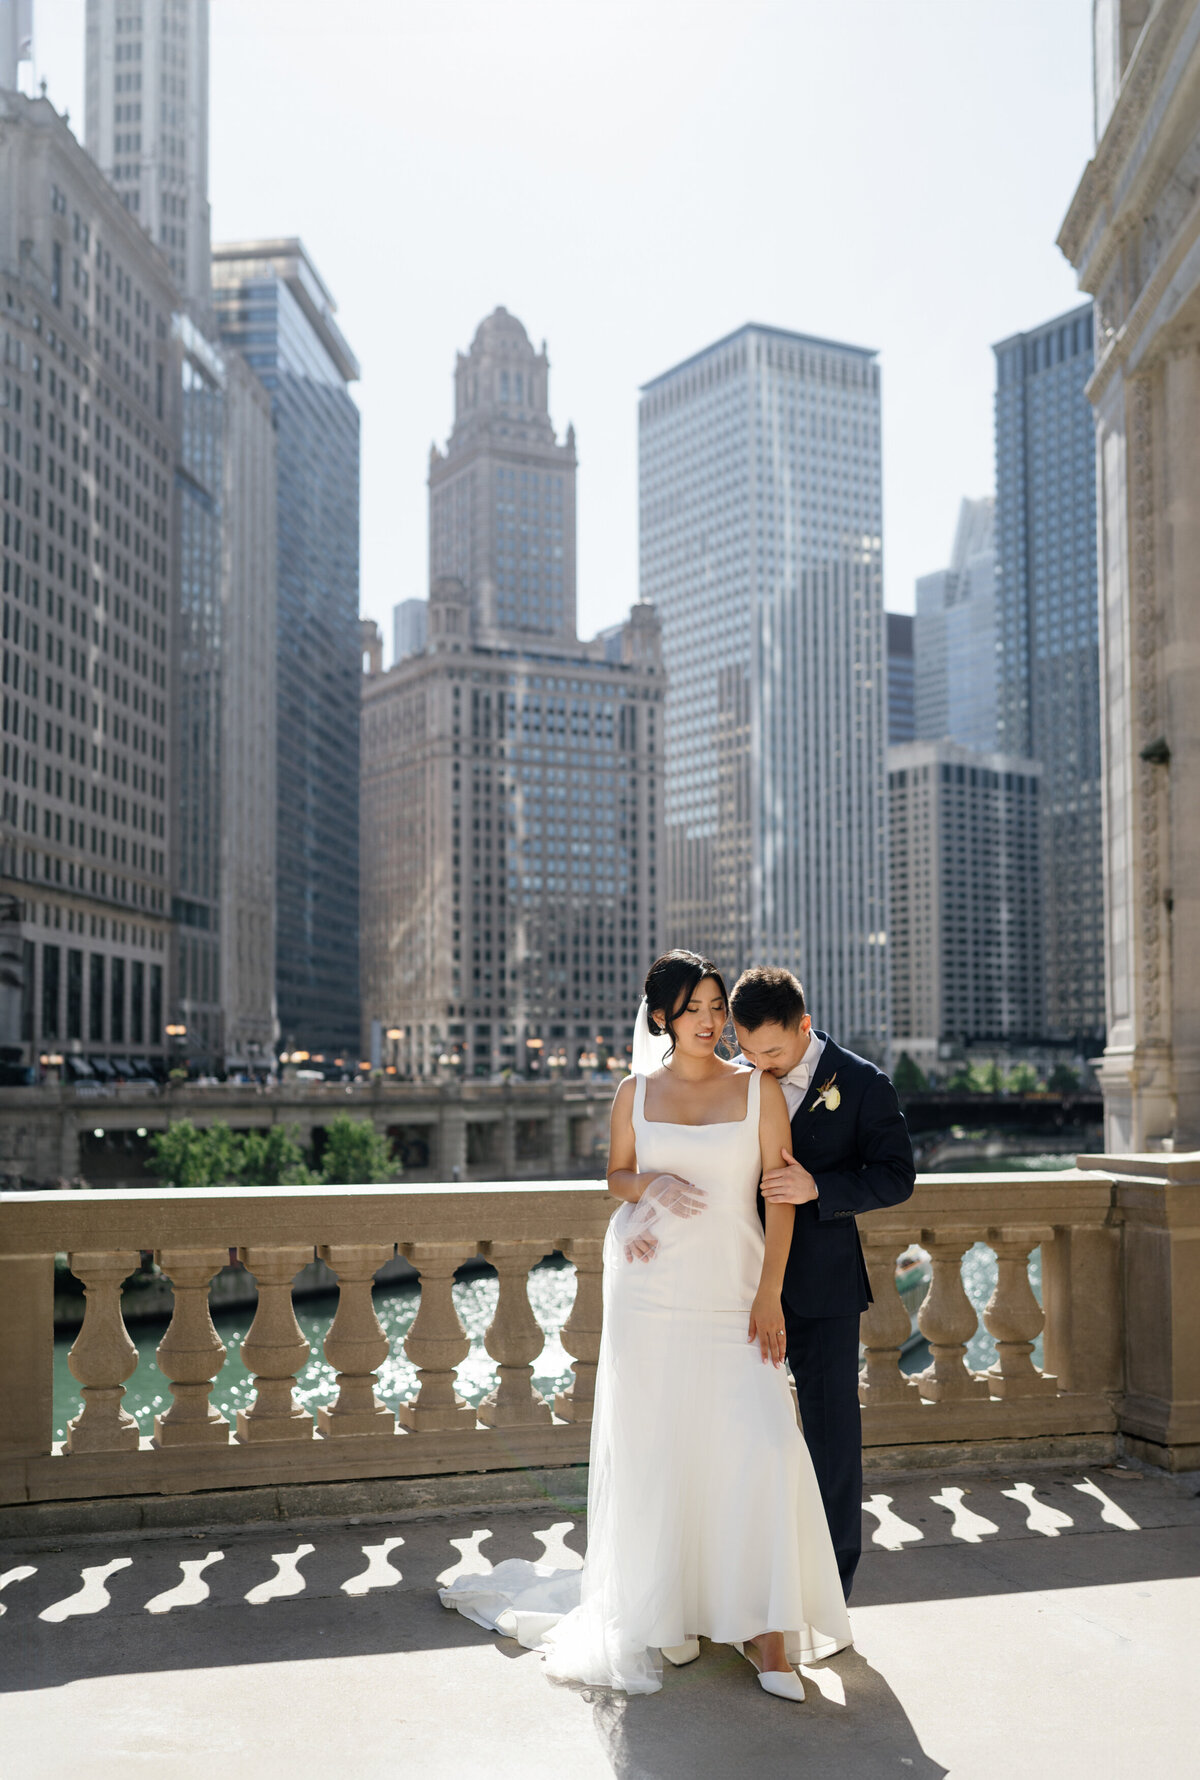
[146,86]
[956,674]
[410,627]
[274,309]
[761,549]
[1133,234]
[89,426]
[223,988]
[511,774]
[965,941]
[900,683]
[1047,624]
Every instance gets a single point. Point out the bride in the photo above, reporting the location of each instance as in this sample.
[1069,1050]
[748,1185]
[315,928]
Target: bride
[704,1516]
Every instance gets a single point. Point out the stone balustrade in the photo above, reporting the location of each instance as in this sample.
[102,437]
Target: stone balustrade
[1120,1247]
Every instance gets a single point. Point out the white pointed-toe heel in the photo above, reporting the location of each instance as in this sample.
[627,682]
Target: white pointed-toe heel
[679,1654]
[785,1684]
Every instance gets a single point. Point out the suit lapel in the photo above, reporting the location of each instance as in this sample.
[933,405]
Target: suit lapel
[832,1058]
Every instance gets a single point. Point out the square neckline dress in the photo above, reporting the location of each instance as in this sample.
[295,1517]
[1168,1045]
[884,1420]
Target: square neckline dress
[704,1515]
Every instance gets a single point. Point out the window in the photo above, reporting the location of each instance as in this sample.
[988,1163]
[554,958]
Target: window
[74,994]
[117,1001]
[51,967]
[96,998]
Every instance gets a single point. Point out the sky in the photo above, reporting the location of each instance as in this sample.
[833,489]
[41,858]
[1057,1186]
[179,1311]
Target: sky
[635,180]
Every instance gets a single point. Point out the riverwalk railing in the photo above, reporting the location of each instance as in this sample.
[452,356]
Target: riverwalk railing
[1120,1249]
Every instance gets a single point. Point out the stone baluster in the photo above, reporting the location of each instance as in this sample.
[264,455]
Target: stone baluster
[1014,1317]
[514,1340]
[947,1320]
[581,1331]
[191,1354]
[884,1328]
[103,1356]
[356,1345]
[274,1350]
[437,1341]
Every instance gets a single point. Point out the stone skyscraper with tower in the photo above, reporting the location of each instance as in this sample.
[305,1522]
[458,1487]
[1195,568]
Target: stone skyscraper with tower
[511,800]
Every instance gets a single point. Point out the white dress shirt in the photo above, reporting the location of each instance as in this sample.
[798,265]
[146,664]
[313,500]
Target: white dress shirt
[798,1081]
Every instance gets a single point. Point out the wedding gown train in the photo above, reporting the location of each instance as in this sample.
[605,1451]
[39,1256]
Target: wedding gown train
[704,1516]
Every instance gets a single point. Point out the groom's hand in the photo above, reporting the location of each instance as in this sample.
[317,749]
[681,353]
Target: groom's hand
[790,1185]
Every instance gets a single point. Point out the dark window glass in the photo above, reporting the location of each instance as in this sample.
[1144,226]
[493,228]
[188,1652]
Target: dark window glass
[156,1017]
[116,1002]
[96,998]
[51,978]
[74,994]
[27,956]
[137,1002]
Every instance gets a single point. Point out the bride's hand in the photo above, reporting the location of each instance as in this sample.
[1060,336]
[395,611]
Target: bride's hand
[766,1327]
[674,1194]
[665,1193]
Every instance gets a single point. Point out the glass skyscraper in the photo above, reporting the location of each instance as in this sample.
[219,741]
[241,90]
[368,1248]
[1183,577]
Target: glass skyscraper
[1049,686]
[901,712]
[954,637]
[761,548]
[274,308]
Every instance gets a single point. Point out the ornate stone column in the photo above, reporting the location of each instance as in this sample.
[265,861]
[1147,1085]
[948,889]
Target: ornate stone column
[514,1340]
[190,1354]
[103,1356]
[947,1320]
[1014,1318]
[356,1345]
[275,1349]
[884,1327]
[581,1331]
[437,1342]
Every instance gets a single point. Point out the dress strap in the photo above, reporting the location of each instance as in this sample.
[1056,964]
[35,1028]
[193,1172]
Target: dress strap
[754,1099]
[639,1098]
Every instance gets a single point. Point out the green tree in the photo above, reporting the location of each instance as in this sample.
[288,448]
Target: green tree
[1062,1079]
[1023,1079]
[187,1157]
[357,1155]
[273,1158]
[909,1077]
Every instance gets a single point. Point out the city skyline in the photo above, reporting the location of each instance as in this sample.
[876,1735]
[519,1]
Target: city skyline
[988,219]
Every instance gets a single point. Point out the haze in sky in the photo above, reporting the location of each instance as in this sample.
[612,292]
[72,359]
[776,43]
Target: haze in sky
[634,179]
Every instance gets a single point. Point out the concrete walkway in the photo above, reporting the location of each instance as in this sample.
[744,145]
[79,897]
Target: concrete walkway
[1025,1627]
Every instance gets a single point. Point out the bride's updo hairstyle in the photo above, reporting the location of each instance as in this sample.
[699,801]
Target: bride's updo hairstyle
[670,984]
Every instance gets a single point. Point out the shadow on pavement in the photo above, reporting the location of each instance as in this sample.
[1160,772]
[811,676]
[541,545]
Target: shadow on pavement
[714,1719]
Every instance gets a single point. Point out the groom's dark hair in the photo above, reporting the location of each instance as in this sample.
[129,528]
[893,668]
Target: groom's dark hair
[766,996]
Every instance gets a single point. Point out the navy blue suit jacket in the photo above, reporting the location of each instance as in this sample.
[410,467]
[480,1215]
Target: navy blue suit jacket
[860,1156]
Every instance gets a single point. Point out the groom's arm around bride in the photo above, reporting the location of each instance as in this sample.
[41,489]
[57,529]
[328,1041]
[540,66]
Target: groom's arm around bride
[850,1153]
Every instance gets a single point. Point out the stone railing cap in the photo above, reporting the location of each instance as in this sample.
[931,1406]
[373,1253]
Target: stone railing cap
[1179,1168]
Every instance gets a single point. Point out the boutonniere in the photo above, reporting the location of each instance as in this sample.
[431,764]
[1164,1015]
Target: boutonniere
[829,1097]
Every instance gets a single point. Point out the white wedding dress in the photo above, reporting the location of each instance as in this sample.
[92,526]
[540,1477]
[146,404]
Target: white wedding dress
[704,1516]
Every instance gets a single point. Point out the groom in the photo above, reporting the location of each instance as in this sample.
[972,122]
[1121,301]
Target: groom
[850,1153]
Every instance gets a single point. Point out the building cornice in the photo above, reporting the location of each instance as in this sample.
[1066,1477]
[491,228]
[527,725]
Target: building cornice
[1089,213]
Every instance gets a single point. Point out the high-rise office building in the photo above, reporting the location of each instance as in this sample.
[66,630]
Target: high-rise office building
[147,123]
[965,940]
[761,550]
[273,307]
[510,773]
[89,419]
[410,627]
[954,637]
[223,985]
[901,709]
[1049,690]
[502,494]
